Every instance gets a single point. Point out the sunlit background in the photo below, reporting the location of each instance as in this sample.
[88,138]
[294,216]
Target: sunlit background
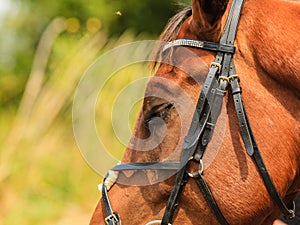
[45,48]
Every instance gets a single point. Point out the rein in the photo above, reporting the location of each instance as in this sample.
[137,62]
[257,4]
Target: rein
[221,74]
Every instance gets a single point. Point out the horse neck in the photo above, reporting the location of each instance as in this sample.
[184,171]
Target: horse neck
[267,60]
[273,40]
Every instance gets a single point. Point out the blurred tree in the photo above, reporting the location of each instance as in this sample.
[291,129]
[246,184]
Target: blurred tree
[28,18]
[42,174]
[148,16]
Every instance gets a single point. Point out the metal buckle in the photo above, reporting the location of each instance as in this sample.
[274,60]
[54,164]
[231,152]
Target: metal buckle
[223,78]
[218,65]
[228,79]
[292,212]
[232,77]
[113,217]
[199,171]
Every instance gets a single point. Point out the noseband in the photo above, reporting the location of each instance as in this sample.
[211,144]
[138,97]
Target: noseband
[221,74]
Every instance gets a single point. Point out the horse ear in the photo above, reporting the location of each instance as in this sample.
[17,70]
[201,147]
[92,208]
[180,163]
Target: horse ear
[208,12]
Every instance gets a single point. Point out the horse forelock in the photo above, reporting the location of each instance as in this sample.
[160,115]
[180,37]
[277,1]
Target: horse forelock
[170,32]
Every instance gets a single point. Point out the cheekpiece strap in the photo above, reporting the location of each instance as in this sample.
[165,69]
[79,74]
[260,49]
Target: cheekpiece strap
[111,218]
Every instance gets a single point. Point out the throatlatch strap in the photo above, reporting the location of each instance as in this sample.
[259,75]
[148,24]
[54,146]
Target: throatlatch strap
[253,151]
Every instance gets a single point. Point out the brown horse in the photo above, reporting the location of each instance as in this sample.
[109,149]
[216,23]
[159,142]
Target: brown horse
[267,62]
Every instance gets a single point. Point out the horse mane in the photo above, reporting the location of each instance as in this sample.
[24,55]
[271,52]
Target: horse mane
[169,33]
[174,24]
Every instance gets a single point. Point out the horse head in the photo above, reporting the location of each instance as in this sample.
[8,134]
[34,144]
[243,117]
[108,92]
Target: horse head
[266,63]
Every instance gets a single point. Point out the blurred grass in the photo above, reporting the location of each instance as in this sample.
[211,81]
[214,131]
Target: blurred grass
[44,179]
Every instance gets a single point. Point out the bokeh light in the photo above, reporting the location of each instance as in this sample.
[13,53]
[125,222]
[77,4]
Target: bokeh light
[93,25]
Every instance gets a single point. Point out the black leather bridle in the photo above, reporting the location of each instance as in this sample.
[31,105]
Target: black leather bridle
[221,74]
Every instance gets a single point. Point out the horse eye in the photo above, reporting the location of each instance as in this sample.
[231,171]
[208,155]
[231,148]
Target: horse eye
[159,112]
[164,113]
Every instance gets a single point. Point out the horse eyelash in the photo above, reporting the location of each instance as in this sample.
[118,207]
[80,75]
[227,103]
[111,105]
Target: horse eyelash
[163,113]
[166,111]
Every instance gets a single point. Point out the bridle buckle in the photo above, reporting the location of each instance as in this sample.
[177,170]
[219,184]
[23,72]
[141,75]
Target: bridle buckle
[112,218]
[217,65]
[228,79]
[292,212]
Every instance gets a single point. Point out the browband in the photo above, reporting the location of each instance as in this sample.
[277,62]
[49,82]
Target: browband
[205,45]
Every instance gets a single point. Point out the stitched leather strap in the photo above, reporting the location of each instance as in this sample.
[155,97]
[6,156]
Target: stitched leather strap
[111,217]
[253,150]
[224,59]
[210,199]
[180,182]
[241,115]
[288,213]
[213,106]
[202,112]
[149,166]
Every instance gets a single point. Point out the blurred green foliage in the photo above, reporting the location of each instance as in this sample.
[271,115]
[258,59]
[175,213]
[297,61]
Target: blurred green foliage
[45,48]
[28,19]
